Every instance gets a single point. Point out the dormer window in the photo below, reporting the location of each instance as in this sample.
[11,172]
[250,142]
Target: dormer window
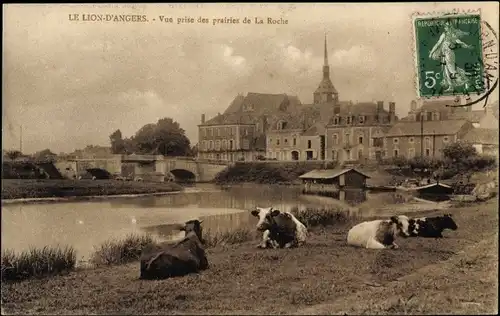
[248,108]
[336,120]
[361,119]
[349,120]
[281,125]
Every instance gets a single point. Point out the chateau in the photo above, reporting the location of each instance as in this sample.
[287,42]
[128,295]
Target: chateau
[262,126]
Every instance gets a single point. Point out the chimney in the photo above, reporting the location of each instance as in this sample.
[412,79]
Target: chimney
[413,106]
[380,106]
[202,118]
[392,112]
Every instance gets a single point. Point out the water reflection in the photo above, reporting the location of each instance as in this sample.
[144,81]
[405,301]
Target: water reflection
[86,224]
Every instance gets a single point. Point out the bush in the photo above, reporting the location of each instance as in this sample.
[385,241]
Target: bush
[115,251]
[236,236]
[312,217]
[37,262]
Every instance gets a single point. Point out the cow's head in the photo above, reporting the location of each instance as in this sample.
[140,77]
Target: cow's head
[194,225]
[413,227]
[448,222]
[402,224]
[265,216]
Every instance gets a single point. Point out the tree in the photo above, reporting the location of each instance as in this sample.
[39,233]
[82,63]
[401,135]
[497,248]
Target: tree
[459,151]
[13,154]
[166,137]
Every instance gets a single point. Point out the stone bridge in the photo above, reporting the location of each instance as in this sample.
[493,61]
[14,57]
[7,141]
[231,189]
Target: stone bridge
[147,167]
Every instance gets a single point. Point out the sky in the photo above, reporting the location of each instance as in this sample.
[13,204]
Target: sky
[70,84]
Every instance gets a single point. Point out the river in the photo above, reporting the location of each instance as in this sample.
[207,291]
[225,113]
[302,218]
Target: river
[86,224]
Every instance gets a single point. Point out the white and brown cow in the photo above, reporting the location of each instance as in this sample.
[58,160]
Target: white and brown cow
[279,229]
[379,234]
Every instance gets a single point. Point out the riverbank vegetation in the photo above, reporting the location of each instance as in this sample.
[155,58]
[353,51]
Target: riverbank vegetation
[19,189]
[36,262]
[268,172]
[324,273]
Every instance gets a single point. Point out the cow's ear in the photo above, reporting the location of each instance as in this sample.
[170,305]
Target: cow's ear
[255,213]
[394,219]
[200,221]
[275,213]
[182,228]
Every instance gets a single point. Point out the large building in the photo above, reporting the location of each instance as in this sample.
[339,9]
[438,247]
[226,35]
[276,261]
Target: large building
[426,138]
[240,132]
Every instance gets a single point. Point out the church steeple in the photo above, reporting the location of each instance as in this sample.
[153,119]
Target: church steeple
[326,92]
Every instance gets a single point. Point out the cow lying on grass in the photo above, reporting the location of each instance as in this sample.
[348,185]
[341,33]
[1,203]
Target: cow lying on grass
[379,234]
[431,226]
[178,259]
[279,229]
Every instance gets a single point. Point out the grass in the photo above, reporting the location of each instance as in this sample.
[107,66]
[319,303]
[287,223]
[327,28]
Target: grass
[37,262]
[16,189]
[312,217]
[324,273]
[116,251]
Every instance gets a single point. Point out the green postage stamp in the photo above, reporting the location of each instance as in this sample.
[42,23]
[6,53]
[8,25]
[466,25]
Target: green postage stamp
[449,55]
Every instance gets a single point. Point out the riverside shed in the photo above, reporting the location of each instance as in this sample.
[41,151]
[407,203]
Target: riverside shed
[338,178]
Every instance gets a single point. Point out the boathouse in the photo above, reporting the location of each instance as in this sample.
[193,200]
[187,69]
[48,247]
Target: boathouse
[332,180]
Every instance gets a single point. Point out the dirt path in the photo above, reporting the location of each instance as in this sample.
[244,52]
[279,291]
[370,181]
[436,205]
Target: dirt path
[280,281]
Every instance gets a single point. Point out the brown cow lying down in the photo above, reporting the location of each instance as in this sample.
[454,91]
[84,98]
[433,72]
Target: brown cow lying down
[178,259]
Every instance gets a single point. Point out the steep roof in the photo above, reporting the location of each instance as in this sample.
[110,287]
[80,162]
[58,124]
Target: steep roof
[437,105]
[447,127]
[316,129]
[326,86]
[473,116]
[483,136]
[248,109]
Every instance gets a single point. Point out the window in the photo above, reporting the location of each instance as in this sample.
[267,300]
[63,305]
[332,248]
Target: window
[335,139]
[270,140]
[286,140]
[334,155]
[309,144]
[349,118]
[396,152]
[233,131]
[231,144]
[245,132]
[427,141]
[224,144]
[360,139]
[361,119]
[211,144]
[427,152]
[411,140]
[209,132]
[217,132]
[360,154]
[217,145]
[281,125]
[294,141]
[445,139]
[336,120]
[411,152]
[395,141]
[346,138]
[277,141]
[257,126]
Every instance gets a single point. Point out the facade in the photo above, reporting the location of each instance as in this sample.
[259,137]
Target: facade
[428,138]
[240,132]
[484,140]
[356,131]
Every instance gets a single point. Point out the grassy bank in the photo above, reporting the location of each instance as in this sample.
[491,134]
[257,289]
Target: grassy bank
[244,279]
[18,189]
[268,172]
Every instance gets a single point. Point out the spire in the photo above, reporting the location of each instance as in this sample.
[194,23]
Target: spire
[326,53]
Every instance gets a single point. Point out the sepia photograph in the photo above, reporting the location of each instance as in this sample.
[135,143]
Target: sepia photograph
[250,158]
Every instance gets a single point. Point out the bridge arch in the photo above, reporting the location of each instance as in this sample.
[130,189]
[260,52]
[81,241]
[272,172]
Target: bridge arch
[99,173]
[183,175]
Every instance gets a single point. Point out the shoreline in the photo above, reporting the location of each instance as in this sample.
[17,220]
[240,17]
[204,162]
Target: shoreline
[82,198]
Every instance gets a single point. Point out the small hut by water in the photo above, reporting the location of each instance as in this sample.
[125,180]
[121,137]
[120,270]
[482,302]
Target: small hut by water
[333,180]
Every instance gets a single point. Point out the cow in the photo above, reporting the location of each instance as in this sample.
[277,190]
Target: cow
[178,259]
[279,229]
[431,226]
[379,234]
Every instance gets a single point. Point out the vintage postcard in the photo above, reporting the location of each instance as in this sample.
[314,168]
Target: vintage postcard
[250,158]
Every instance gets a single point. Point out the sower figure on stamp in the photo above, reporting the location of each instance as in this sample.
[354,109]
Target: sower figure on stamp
[453,76]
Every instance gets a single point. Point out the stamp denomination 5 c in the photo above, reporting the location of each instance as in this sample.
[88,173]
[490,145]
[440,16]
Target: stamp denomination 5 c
[449,55]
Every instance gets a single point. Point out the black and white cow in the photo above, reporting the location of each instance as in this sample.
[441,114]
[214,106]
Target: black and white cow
[178,259]
[279,229]
[431,226]
[379,234]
